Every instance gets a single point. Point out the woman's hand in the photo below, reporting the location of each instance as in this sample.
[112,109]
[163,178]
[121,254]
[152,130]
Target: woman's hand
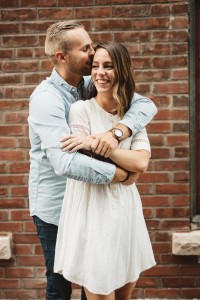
[131,179]
[73,143]
[102,143]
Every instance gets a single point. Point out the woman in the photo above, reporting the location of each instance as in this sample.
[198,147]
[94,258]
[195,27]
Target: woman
[102,242]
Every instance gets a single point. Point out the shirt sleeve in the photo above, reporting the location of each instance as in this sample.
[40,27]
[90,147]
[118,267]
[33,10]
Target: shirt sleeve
[47,124]
[140,141]
[140,113]
[79,118]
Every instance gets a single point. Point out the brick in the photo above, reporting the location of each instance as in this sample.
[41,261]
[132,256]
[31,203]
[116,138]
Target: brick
[181,152]
[154,201]
[181,176]
[154,23]
[130,11]
[18,92]
[56,13]
[179,48]
[12,105]
[11,180]
[8,143]
[172,115]
[159,127]
[11,3]
[172,188]
[31,3]
[178,282]
[20,66]
[19,15]
[76,3]
[156,140]
[101,37]
[141,36]
[162,270]
[177,140]
[31,260]
[150,75]
[17,215]
[180,74]
[181,200]
[155,49]
[9,28]
[19,118]
[181,127]
[163,236]
[162,292]
[10,79]
[179,8]
[148,213]
[175,225]
[20,294]
[24,53]
[171,165]
[18,41]
[172,212]
[25,238]
[147,282]
[191,293]
[160,153]
[9,284]
[12,203]
[19,167]
[6,53]
[112,24]
[189,270]
[160,10]
[19,273]
[34,283]
[154,177]
[29,226]
[161,247]
[19,191]
[35,27]
[11,130]
[22,249]
[11,155]
[179,22]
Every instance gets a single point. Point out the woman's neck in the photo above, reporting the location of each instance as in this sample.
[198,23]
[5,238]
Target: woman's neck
[106,101]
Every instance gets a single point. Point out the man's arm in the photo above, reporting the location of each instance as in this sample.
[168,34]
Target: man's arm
[47,123]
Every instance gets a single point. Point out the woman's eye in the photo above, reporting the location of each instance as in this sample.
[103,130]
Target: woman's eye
[94,67]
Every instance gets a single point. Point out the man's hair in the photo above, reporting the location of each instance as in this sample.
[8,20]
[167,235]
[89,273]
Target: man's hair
[125,84]
[56,39]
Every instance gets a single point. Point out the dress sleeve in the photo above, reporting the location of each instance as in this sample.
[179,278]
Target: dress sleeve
[79,118]
[140,141]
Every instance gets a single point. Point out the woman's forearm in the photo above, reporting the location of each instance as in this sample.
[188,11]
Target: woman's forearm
[131,160]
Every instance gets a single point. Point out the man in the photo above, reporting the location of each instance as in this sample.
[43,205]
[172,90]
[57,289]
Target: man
[69,47]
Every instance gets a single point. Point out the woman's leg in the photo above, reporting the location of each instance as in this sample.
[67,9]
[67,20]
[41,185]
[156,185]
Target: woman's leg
[125,291]
[91,296]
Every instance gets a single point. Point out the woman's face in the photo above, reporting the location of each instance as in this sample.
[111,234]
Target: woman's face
[103,74]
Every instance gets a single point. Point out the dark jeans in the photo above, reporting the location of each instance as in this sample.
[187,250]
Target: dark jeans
[58,288]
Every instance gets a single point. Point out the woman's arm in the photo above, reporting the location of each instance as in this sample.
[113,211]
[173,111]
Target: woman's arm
[137,158]
[131,160]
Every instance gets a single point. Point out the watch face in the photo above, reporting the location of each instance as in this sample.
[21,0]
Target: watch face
[118,133]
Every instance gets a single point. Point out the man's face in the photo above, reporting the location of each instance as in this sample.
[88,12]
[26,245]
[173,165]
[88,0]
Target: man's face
[79,57]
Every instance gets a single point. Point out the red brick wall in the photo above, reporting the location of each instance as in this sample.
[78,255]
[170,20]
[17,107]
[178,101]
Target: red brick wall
[156,34]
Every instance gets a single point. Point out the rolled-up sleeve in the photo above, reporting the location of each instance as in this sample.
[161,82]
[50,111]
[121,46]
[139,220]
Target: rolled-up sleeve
[140,113]
[47,124]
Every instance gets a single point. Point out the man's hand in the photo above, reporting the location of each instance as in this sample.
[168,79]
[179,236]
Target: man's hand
[104,143]
[73,143]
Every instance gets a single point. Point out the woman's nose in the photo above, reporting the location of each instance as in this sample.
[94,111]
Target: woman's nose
[101,71]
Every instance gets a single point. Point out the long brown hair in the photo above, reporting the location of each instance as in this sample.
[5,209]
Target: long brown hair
[125,84]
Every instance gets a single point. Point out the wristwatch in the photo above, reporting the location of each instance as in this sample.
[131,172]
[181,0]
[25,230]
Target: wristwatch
[117,133]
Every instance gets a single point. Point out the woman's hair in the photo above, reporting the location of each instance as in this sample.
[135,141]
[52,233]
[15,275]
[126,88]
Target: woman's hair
[125,84]
[56,38]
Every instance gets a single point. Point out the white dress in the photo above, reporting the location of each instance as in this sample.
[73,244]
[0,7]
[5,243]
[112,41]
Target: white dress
[102,241]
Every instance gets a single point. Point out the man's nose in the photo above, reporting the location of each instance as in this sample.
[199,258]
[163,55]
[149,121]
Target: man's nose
[91,51]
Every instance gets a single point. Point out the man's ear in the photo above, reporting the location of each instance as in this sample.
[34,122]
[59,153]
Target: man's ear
[60,56]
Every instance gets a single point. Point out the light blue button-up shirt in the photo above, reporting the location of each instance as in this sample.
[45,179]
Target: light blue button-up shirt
[49,165]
